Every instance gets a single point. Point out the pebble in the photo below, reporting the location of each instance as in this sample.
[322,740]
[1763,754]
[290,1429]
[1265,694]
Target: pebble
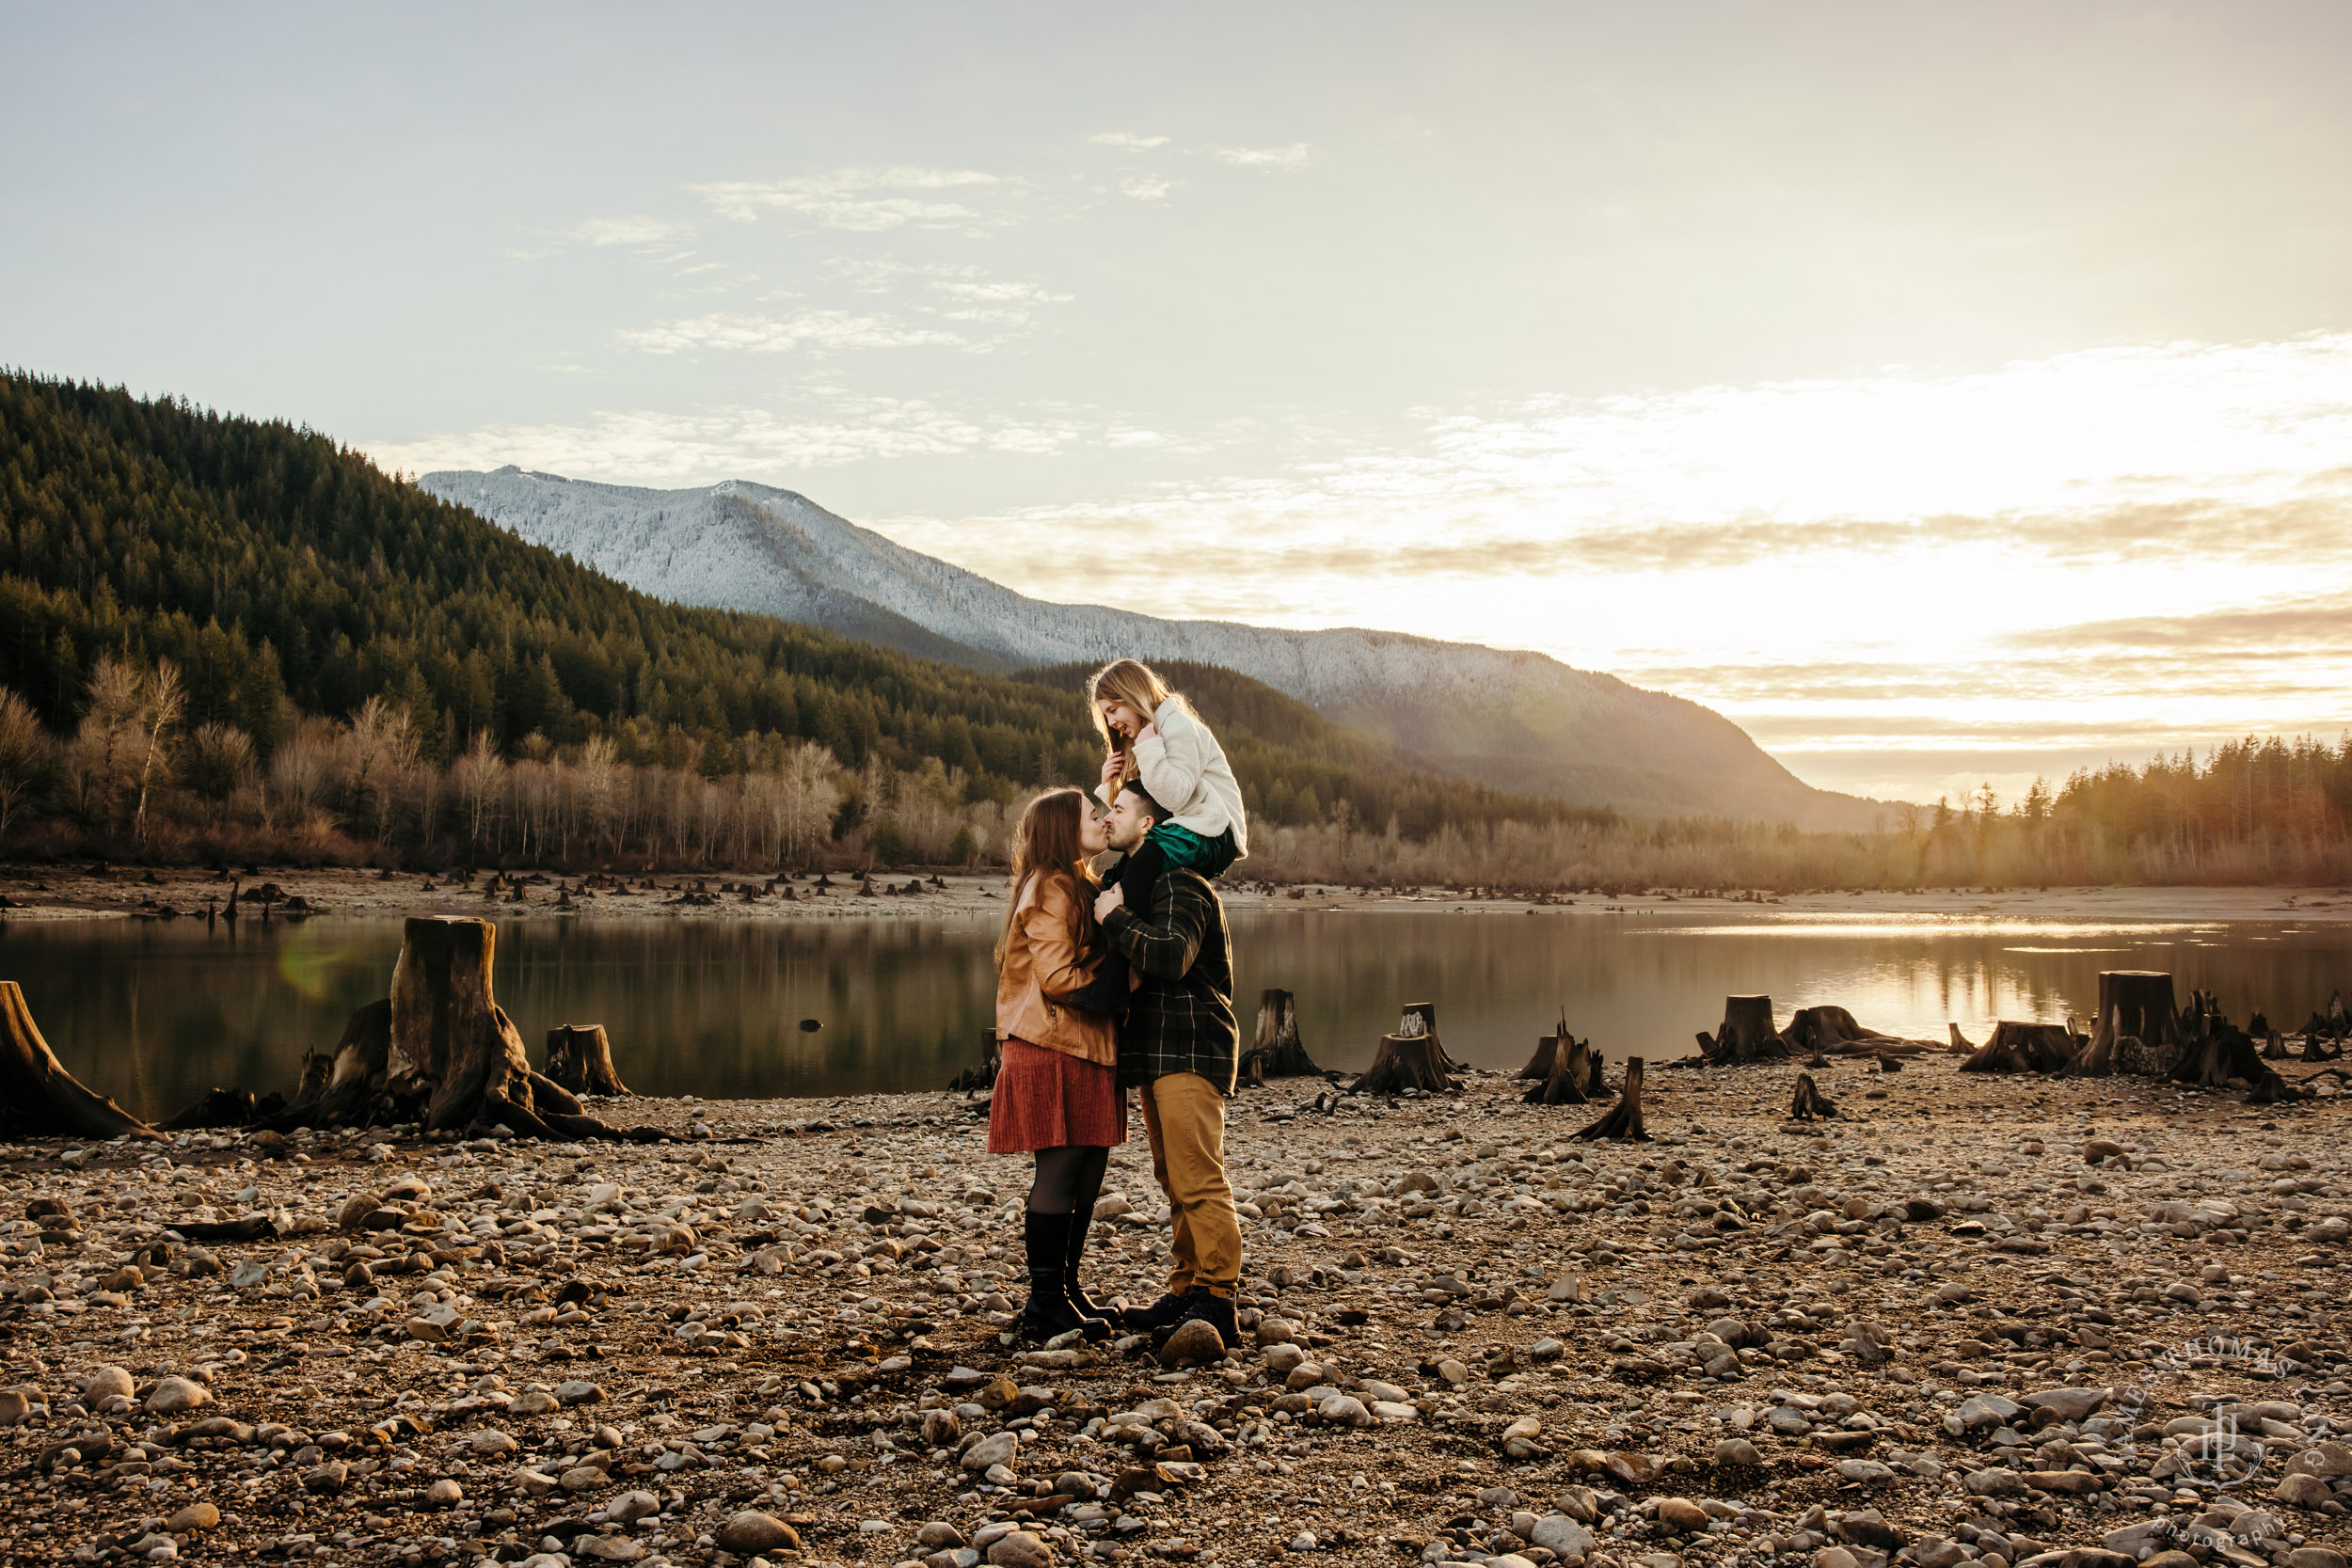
[1194,1343]
[196,1516]
[173,1395]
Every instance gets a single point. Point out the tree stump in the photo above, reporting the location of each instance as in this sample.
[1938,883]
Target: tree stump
[223,1108]
[2022,1047]
[1810,1101]
[1412,1058]
[1747,1033]
[1277,1051]
[454,1051]
[973,1078]
[38,1097]
[1624,1123]
[1570,1079]
[580,1058]
[2137,1003]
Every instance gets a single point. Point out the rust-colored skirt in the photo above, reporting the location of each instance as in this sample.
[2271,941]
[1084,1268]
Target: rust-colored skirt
[1044,1099]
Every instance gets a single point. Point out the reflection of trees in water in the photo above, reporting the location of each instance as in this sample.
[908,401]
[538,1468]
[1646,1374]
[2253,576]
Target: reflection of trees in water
[714,1007]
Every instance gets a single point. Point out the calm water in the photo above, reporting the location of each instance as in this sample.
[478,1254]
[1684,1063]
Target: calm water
[154,1015]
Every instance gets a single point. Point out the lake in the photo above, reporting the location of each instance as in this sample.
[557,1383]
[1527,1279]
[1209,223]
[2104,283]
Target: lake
[156,1014]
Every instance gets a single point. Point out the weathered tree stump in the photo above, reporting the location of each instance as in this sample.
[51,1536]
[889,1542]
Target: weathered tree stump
[2138,1004]
[38,1097]
[1810,1103]
[1277,1051]
[1570,1079]
[983,1076]
[580,1058]
[2219,1052]
[455,1052]
[224,1108]
[1623,1124]
[2022,1047]
[1747,1033]
[1412,1058]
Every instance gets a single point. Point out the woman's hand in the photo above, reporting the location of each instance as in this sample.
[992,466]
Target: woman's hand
[1113,897]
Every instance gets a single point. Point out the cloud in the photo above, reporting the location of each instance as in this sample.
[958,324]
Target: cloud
[646,446]
[1146,190]
[1127,139]
[1296,155]
[2301,624]
[861,200]
[817,330]
[632,229]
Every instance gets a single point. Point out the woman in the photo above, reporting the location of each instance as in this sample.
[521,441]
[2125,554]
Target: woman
[1057,1083]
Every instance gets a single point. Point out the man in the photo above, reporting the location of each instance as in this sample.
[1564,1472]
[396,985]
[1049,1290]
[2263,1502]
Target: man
[1177,1048]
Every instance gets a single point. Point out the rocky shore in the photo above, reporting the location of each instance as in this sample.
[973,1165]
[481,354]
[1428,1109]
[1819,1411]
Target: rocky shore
[136,892]
[2079,1324]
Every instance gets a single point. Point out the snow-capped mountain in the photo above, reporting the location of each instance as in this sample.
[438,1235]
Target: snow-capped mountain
[1518,720]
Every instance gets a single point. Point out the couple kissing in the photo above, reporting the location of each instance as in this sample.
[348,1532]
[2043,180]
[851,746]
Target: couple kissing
[1118,980]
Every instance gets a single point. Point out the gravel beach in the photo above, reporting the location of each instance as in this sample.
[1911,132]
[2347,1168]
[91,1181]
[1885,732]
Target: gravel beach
[2073,1322]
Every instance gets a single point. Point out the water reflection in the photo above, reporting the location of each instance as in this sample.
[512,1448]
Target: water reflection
[154,1015]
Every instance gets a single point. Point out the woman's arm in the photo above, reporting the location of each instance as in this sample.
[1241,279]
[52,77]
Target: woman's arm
[1051,926]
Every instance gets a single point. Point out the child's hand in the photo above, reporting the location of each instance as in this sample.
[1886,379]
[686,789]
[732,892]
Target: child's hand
[1110,898]
[1146,732]
[1113,765]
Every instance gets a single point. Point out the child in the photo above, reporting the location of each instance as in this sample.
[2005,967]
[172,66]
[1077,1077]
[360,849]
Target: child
[1156,737]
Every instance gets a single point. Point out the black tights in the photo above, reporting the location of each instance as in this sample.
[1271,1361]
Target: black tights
[1069,1179]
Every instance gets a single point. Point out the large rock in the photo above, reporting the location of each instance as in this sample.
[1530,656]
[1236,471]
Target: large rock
[2301,1490]
[2072,1404]
[1193,1345]
[999,1448]
[1682,1515]
[751,1532]
[1980,1412]
[107,1383]
[1996,1481]
[1563,1537]
[1020,1549]
[175,1394]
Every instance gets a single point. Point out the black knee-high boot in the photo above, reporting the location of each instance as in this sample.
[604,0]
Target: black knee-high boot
[1049,1311]
[1073,1253]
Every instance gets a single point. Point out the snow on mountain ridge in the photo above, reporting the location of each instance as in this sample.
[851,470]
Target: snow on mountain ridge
[1519,720]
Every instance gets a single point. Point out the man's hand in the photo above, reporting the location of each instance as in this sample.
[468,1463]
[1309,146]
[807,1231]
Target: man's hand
[1108,899]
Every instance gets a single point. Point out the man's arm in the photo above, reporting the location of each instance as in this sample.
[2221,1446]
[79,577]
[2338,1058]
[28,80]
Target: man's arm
[1163,943]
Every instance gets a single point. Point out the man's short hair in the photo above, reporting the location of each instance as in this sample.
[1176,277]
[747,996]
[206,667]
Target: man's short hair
[1135,787]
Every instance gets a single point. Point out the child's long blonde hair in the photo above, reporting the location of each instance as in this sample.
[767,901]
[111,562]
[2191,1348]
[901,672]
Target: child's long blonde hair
[1138,685]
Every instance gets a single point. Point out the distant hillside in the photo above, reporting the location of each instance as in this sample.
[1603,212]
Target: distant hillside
[1520,722]
[286,574]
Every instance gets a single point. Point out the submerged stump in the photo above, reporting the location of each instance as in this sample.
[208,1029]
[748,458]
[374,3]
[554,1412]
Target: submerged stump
[1745,1035]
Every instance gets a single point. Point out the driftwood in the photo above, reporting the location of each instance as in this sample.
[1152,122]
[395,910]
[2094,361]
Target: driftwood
[2015,1047]
[983,1076]
[38,1097]
[580,1058]
[1810,1101]
[1745,1035]
[1623,1124]
[1277,1053]
[1412,1058]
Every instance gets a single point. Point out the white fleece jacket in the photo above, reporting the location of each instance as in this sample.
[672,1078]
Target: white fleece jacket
[1185,771]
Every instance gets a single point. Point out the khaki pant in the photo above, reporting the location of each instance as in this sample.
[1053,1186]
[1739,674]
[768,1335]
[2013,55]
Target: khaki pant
[1184,1114]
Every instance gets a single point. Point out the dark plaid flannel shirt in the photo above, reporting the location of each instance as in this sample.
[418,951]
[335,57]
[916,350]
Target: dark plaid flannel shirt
[1181,1018]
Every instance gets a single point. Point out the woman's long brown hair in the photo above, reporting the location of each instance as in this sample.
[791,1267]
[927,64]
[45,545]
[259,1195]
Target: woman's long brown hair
[1046,844]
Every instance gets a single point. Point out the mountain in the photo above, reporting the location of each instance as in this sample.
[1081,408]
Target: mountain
[1519,721]
[287,577]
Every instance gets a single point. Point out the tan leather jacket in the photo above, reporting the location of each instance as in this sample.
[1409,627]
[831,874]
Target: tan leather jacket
[1040,966]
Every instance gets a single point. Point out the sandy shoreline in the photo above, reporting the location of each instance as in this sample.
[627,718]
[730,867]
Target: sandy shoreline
[1650,1356]
[51,892]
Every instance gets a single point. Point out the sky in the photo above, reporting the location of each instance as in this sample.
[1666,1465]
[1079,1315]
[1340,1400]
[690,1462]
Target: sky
[1947,395]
